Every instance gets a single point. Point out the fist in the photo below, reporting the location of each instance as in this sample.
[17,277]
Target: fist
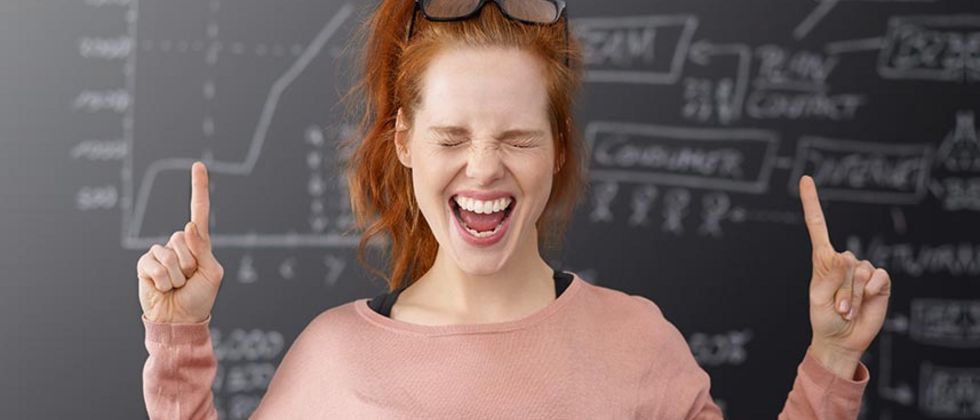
[179,281]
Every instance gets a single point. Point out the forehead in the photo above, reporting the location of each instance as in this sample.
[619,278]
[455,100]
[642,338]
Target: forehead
[492,86]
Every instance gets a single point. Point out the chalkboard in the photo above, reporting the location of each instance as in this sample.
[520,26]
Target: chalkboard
[700,115]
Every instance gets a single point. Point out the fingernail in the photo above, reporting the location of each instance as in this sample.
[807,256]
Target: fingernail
[843,306]
[850,314]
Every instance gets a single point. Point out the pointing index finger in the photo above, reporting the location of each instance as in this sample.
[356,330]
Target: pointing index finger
[200,200]
[813,214]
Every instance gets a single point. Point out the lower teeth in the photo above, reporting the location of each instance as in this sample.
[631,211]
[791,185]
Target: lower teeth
[483,234]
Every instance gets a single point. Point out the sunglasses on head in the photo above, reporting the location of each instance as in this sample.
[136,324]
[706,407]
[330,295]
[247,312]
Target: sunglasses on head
[532,12]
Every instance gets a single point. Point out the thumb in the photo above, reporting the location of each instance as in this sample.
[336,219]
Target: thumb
[199,245]
[201,248]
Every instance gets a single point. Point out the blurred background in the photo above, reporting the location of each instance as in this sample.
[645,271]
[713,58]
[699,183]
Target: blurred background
[701,116]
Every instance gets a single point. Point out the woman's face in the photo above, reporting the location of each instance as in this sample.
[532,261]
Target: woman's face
[482,155]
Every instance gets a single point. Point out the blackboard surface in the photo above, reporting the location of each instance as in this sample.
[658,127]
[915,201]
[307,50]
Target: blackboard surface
[701,116]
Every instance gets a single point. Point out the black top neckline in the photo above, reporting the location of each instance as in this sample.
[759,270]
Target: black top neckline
[383,302]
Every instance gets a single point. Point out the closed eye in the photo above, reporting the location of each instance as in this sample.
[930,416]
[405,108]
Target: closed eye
[523,144]
[449,141]
[448,144]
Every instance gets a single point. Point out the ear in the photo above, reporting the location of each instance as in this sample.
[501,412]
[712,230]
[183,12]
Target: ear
[401,139]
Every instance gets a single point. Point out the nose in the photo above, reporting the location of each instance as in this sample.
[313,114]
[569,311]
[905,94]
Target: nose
[484,163]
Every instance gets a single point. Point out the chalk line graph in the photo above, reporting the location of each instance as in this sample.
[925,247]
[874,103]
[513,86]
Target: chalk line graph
[137,199]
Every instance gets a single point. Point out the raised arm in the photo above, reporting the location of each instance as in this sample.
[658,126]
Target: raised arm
[818,393]
[848,304]
[178,287]
[180,370]
[674,386]
[178,284]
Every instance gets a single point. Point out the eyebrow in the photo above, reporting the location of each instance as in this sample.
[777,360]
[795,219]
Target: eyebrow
[462,131]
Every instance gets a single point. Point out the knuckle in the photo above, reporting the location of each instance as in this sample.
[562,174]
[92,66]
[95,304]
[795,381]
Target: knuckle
[169,257]
[867,269]
[187,269]
[187,264]
[158,271]
[859,285]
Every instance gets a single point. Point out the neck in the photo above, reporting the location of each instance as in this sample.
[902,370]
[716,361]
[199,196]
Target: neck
[522,286]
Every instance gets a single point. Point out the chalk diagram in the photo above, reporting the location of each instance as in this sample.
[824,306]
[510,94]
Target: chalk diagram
[660,175]
[824,7]
[656,167]
[237,78]
[942,391]
[268,129]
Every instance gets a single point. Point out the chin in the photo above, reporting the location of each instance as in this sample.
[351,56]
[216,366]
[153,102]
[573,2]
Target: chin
[482,265]
[480,261]
[483,260]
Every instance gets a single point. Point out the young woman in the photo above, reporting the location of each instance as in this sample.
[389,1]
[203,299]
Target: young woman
[468,163]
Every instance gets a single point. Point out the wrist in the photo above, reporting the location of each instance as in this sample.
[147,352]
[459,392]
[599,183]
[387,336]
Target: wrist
[177,319]
[841,362]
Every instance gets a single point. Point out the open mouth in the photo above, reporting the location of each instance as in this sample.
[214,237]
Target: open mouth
[482,223]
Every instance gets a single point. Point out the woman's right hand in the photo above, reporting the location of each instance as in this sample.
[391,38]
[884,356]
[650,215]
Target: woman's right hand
[179,282]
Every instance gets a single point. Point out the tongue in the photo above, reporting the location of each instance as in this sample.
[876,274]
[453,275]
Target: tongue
[481,222]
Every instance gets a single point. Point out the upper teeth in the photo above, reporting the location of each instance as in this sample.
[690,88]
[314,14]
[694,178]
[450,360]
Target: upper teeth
[485,207]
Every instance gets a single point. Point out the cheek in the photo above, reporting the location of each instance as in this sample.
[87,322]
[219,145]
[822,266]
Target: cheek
[431,180]
[537,175]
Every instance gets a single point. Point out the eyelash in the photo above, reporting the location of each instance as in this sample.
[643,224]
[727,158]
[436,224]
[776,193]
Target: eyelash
[523,145]
[448,145]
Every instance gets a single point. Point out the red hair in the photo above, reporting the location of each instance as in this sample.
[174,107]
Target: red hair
[390,76]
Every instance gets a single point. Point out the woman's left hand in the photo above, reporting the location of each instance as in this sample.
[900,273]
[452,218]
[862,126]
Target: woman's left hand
[848,298]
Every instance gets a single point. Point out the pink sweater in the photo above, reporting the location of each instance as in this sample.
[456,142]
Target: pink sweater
[594,353]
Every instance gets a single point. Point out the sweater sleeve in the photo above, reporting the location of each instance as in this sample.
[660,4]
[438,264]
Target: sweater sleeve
[819,393]
[180,370]
[676,387]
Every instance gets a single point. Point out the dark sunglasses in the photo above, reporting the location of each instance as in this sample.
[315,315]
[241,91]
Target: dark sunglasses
[532,12]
